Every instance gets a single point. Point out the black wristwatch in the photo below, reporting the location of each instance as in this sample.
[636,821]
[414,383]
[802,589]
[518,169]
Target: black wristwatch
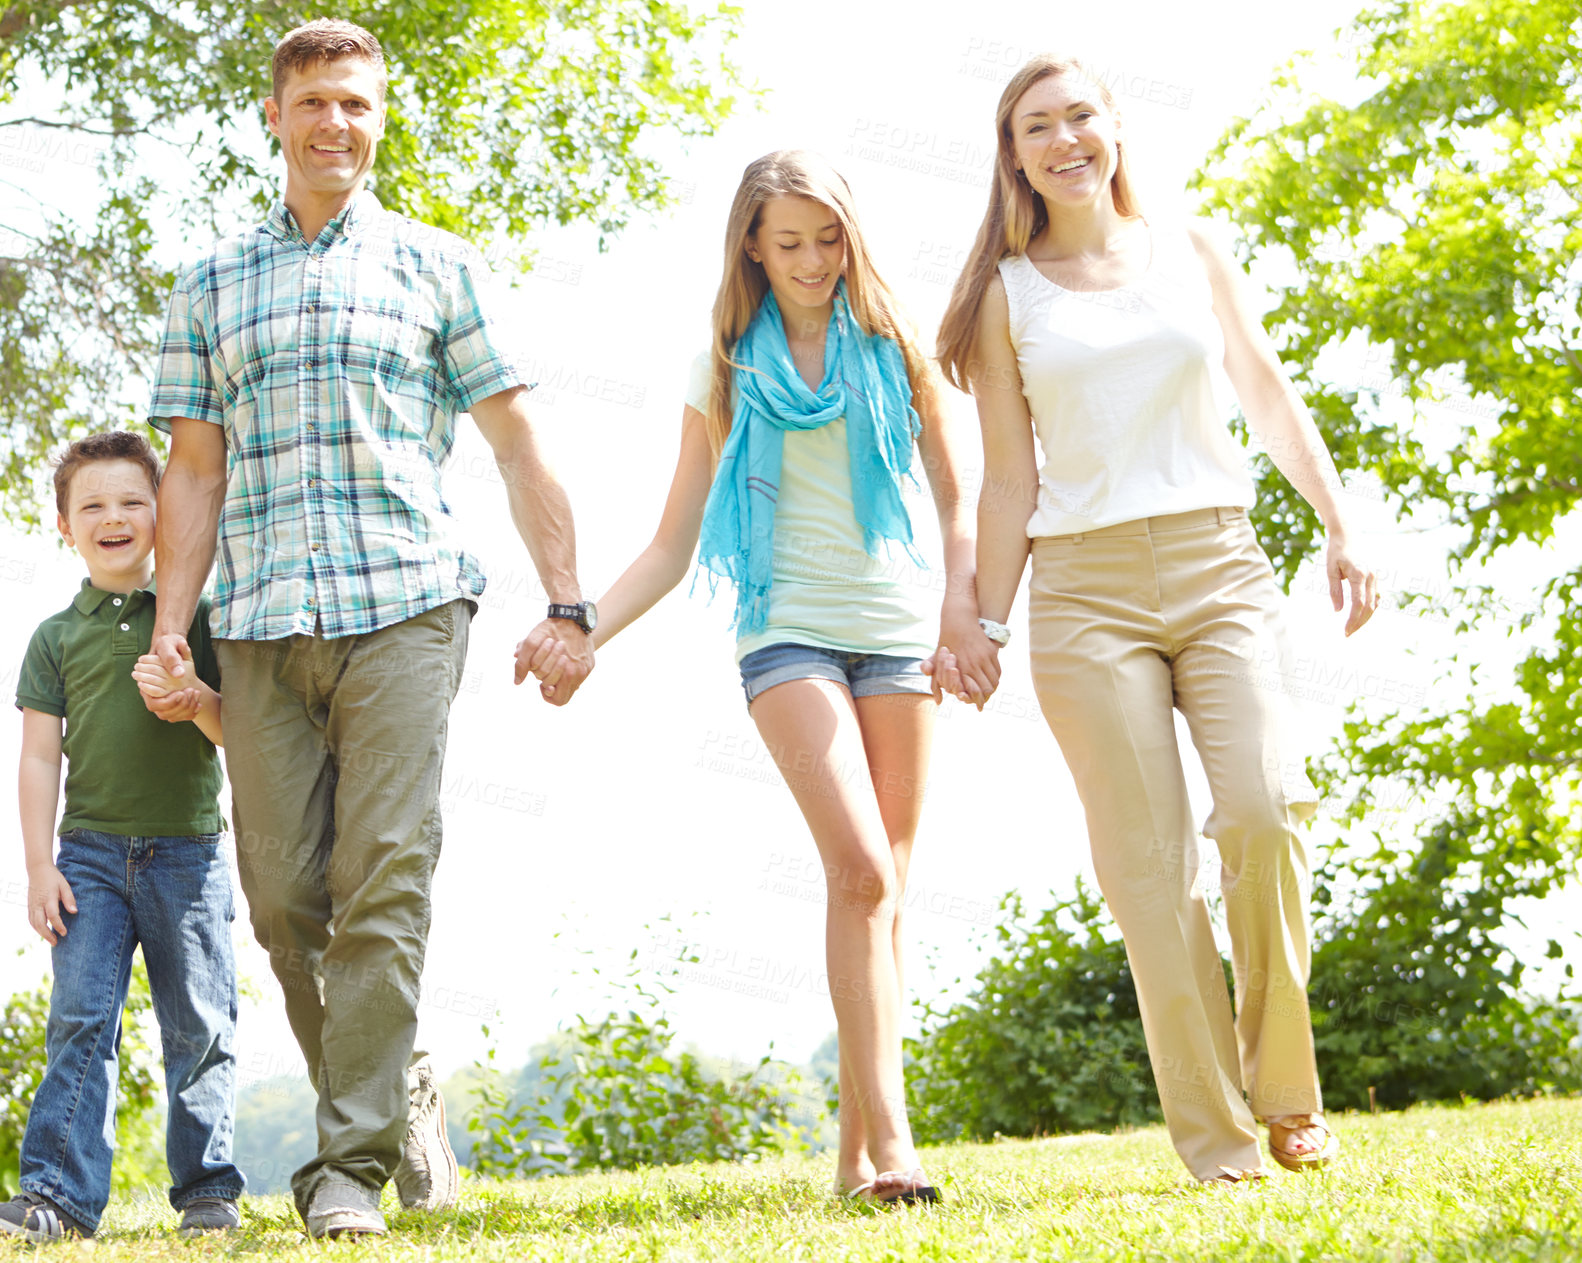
[585,615]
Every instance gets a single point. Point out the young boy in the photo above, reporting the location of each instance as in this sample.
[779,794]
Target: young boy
[139,862]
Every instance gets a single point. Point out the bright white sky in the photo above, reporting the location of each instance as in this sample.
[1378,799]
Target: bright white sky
[571,833]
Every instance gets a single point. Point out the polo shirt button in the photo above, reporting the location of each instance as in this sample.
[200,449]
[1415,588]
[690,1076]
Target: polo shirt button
[126,627]
[117,601]
[315,548]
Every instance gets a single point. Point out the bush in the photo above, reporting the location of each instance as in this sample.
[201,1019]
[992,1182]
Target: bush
[1415,999]
[615,1094]
[1412,995]
[1049,1040]
[139,1155]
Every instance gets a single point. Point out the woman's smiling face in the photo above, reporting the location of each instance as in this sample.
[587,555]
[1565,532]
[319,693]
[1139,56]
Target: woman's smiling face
[1065,140]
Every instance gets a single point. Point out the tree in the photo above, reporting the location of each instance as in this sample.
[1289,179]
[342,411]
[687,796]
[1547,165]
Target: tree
[503,117]
[1437,220]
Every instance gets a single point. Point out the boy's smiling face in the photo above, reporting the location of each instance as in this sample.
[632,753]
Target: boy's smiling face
[109,519]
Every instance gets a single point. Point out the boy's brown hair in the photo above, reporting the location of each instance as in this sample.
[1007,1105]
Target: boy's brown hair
[321,40]
[106,445]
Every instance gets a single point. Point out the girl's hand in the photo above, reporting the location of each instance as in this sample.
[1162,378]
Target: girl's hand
[48,893]
[1343,570]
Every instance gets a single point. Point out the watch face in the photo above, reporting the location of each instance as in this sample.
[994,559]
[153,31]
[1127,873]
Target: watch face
[590,615]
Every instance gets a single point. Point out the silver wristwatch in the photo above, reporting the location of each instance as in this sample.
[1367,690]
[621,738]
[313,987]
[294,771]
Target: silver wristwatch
[999,633]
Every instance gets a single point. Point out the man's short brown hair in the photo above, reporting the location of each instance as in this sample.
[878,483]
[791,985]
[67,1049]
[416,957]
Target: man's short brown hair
[321,40]
[106,445]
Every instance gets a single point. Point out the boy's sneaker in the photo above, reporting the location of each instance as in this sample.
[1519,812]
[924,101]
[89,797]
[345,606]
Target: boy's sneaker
[36,1219]
[209,1214]
[426,1177]
[342,1207]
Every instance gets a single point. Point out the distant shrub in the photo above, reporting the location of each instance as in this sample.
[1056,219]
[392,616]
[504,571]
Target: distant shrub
[1413,995]
[617,1094]
[1047,1041]
[139,1154]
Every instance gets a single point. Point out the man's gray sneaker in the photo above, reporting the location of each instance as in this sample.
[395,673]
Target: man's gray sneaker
[427,1176]
[34,1218]
[344,1207]
[209,1214]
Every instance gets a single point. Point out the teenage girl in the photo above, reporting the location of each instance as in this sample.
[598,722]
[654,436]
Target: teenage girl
[797,444]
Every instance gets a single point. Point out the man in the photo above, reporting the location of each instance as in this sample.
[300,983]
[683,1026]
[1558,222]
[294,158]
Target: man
[310,378]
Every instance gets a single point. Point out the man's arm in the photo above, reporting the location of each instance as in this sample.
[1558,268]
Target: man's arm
[38,790]
[557,651]
[186,532]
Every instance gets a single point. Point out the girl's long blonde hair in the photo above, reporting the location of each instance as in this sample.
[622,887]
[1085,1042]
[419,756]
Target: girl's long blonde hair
[1015,216]
[800,173]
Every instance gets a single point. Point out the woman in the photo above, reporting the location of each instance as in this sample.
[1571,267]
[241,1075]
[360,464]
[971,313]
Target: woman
[796,440]
[1101,331]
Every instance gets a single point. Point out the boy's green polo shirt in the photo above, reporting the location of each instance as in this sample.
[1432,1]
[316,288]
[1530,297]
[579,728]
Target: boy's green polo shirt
[128,771]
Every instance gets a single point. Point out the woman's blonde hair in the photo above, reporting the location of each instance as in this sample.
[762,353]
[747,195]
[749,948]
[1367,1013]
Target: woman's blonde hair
[1015,216]
[799,173]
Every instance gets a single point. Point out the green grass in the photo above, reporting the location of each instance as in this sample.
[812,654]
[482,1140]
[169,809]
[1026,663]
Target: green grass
[1435,1183]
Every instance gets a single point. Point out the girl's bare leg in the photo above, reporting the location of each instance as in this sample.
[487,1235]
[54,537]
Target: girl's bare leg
[819,741]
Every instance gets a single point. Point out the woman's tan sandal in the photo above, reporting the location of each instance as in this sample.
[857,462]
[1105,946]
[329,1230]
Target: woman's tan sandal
[1282,1129]
[1237,1175]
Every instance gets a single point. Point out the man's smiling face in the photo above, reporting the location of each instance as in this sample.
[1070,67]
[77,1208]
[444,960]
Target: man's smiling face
[330,118]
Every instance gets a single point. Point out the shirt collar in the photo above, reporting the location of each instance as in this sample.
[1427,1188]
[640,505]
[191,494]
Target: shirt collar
[360,214]
[90,598]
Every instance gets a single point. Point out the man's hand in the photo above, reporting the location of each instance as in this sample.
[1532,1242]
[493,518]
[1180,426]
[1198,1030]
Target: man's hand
[48,894]
[560,654]
[171,658]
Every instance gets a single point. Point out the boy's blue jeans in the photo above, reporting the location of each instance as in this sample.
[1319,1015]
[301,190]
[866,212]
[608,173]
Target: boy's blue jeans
[172,895]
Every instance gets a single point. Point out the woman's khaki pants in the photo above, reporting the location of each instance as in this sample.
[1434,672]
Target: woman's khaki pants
[1130,623]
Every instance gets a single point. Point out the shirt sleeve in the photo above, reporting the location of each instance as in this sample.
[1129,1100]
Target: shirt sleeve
[183,379]
[700,382]
[477,363]
[40,686]
[202,646]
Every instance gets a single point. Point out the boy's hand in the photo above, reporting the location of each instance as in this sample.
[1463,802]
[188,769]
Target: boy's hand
[48,893]
[169,697]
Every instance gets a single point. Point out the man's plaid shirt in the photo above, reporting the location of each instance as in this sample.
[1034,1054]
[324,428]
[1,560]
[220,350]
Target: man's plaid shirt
[337,368]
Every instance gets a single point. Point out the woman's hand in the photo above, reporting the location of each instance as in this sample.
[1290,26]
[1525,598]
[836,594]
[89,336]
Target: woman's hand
[1343,570]
[967,663]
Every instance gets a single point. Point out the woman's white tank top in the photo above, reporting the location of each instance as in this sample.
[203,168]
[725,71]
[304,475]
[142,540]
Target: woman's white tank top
[1127,393]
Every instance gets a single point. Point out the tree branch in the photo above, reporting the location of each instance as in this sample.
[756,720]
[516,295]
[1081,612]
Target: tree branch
[75,127]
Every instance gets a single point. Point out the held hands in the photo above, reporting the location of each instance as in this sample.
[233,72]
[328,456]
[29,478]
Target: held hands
[169,693]
[967,663]
[1342,570]
[560,654]
[48,896]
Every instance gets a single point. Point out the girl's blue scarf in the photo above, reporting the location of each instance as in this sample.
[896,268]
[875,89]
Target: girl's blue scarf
[864,381]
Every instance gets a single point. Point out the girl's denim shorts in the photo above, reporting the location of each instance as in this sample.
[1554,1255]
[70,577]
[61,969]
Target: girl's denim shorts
[864,674]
